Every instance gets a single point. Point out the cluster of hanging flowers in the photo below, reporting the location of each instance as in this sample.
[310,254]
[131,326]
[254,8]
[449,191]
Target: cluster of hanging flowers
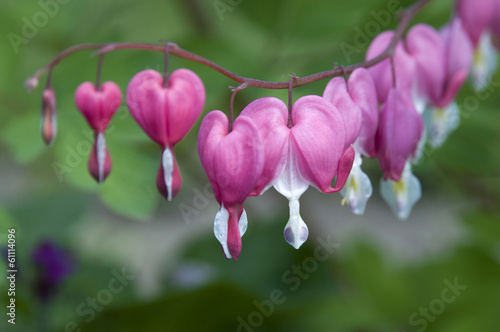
[387,111]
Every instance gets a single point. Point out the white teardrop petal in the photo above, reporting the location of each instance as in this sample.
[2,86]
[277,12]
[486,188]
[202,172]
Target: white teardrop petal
[220,229]
[484,63]
[290,183]
[401,196]
[101,154]
[296,231]
[440,122]
[167,161]
[243,223]
[358,188]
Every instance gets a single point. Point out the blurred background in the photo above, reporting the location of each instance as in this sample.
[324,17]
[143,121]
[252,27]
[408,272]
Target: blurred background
[127,260]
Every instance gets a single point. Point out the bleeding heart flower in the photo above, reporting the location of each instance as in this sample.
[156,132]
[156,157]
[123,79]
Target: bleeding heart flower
[98,107]
[443,62]
[48,122]
[382,73]
[400,128]
[476,17]
[311,152]
[166,113]
[234,163]
[357,103]
[479,19]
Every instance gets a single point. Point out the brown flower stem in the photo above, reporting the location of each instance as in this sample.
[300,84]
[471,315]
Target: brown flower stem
[231,104]
[405,17]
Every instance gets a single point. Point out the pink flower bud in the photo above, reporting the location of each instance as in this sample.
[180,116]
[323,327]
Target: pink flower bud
[48,122]
[166,114]
[31,83]
[98,107]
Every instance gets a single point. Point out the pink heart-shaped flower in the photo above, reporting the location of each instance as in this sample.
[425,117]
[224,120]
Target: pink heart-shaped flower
[98,106]
[234,163]
[166,112]
[311,152]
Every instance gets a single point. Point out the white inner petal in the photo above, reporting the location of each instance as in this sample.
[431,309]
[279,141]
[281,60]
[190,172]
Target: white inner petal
[484,63]
[418,100]
[440,122]
[167,162]
[291,185]
[358,188]
[296,231]
[401,196]
[220,228]
[101,154]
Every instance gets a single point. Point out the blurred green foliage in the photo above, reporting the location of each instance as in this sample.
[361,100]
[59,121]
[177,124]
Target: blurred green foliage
[360,290]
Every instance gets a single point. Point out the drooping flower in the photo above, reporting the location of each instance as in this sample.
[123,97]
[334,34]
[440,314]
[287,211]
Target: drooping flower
[98,106]
[357,103]
[48,122]
[480,20]
[311,152]
[443,61]
[166,112]
[400,129]
[233,162]
[476,17]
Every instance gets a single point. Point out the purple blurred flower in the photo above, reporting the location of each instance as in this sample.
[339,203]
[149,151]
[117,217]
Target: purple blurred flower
[54,265]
